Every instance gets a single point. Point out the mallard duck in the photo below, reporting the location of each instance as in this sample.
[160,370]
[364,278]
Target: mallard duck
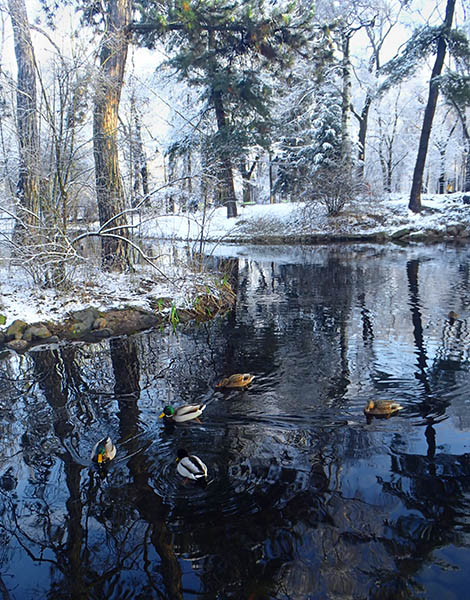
[382,408]
[191,467]
[182,413]
[239,380]
[103,451]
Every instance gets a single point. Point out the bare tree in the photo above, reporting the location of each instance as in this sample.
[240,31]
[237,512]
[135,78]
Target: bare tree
[377,30]
[417,183]
[27,190]
[109,189]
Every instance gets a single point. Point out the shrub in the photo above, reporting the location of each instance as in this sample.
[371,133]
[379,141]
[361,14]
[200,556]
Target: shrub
[333,187]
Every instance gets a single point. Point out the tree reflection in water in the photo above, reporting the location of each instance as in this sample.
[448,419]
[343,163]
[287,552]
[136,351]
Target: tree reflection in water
[308,500]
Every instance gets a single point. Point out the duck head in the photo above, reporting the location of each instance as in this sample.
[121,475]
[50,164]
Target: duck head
[168,411]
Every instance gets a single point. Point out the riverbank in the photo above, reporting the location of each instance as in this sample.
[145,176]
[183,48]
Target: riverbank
[444,218]
[93,325]
[97,305]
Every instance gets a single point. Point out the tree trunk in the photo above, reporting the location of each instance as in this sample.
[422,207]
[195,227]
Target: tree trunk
[27,189]
[346,102]
[416,186]
[271,179]
[466,169]
[441,185]
[228,197]
[363,121]
[246,174]
[170,206]
[389,172]
[109,190]
[140,187]
[466,161]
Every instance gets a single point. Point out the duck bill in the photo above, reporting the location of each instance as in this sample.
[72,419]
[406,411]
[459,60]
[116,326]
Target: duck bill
[162,415]
[100,458]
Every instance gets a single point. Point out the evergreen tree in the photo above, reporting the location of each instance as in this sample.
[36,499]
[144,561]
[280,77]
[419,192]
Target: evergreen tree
[230,50]
[314,140]
[417,183]
[327,129]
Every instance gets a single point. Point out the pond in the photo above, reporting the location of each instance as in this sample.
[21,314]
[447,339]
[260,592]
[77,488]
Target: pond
[308,498]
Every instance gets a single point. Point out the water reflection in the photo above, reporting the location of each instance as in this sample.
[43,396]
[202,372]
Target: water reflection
[307,498]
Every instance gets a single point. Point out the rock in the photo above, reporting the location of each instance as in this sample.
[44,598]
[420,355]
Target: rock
[36,332]
[418,236]
[99,323]
[45,344]
[452,230]
[18,345]
[399,233]
[85,318]
[15,330]
[100,334]
[82,322]
[466,198]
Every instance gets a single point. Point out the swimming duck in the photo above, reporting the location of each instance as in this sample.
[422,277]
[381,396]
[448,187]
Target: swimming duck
[182,413]
[103,451]
[239,380]
[382,408]
[191,467]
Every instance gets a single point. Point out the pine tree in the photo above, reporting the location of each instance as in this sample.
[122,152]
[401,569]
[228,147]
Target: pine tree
[230,50]
[327,129]
[314,140]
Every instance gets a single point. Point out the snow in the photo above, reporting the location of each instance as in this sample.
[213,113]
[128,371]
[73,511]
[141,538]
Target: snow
[368,216]
[22,299]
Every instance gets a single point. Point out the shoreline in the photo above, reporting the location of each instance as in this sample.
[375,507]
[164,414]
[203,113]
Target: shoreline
[90,325]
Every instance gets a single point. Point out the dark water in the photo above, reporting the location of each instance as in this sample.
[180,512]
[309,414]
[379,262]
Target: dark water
[308,499]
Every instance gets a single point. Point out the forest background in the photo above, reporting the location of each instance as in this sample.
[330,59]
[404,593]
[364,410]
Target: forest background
[115,114]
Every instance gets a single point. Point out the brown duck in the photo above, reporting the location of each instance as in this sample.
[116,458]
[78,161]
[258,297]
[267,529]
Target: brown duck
[382,408]
[238,380]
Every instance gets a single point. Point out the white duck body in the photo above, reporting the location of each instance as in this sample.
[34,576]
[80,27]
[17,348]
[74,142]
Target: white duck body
[186,413]
[192,467]
[104,449]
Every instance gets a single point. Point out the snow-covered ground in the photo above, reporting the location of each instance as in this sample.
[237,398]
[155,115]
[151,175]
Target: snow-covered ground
[21,299]
[287,219]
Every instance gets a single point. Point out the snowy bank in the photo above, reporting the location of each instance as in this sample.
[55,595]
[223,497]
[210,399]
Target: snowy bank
[443,217]
[146,292]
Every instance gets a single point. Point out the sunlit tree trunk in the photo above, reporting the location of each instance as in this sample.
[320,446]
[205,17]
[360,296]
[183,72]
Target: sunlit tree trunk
[27,190]
[109,189]
[417,184]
